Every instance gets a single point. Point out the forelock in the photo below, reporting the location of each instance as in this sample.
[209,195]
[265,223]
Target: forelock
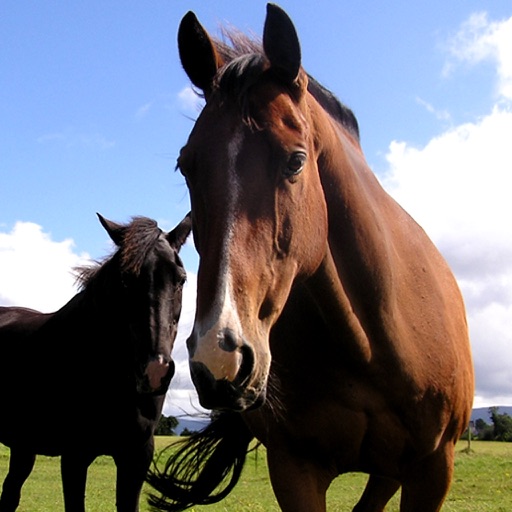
[245,61]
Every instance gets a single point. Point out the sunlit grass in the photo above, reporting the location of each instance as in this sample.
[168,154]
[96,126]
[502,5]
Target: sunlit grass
[482,483]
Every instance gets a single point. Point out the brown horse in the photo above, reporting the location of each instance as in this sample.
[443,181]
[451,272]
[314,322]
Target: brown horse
[326,318]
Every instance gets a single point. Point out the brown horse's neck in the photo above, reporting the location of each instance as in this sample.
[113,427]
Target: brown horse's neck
[357,274]
[334,305]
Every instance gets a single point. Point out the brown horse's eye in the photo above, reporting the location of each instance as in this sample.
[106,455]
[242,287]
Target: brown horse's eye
[295,163]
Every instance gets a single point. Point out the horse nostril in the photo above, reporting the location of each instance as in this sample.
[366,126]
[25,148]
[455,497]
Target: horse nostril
[228,340]
[246,365]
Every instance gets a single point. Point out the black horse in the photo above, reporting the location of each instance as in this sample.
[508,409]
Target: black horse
[90,379]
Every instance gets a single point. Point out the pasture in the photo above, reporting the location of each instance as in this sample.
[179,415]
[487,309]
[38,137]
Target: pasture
[482,483]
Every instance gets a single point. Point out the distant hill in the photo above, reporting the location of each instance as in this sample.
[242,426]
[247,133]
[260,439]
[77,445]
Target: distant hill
[483,413]
[192,425]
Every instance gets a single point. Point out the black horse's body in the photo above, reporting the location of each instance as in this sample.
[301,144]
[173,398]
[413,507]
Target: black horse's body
[90,379]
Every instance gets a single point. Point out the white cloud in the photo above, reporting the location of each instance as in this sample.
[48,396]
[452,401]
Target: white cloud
[480,40]
[143,110]
[442,115]
[459,180]
[73,138]
[36,271]
[458,188]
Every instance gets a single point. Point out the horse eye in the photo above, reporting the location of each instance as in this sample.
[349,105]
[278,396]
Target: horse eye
[295,163]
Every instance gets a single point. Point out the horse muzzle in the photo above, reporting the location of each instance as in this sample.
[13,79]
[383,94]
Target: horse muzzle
[157,376]
[222,394]
[223,370]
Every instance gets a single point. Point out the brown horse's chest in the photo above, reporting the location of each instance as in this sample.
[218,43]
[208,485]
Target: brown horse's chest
[324,407]
[333,434]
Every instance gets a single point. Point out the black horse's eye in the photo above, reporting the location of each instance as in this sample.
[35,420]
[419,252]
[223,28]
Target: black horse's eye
[295,163]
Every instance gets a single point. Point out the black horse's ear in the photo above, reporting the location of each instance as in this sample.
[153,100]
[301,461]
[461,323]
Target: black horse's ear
[115,231]
[281,44]
[197,53]
[179,234]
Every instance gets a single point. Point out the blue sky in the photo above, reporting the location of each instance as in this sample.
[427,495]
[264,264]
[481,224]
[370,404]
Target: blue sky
[94,107]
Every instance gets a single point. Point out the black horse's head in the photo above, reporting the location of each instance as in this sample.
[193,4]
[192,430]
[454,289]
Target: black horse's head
[145,296]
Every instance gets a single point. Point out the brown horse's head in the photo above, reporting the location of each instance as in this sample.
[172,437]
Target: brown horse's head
[259,213]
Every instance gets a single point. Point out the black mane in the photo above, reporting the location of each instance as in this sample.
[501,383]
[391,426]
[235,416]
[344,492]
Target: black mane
[139,237]
[245,61]
[333,106]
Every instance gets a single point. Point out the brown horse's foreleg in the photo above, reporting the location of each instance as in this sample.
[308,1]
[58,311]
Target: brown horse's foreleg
[20,467]
[74,477]
[426,483]
[299,485]
[378,492]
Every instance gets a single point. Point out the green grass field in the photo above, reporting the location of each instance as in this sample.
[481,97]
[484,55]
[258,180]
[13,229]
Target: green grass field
[482,483]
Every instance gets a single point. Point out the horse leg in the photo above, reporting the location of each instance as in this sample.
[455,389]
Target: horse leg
[378,492]
[74,477]
[299,485]
[132,467]
[20,467]
[427,482]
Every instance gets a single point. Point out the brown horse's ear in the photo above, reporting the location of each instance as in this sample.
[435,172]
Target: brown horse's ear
[281,44]
[179,234]
[115,231]
[197,53]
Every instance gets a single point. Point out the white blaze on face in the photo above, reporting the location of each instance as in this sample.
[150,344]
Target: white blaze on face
[223,365]
[208,331]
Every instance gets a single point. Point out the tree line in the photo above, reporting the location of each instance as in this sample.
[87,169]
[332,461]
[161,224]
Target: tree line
[499,430]
[167,426]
